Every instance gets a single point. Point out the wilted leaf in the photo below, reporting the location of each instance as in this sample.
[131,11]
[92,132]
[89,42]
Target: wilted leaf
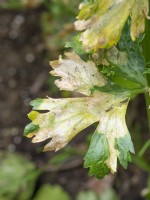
[76,75]
[110,141]
[139,12]
[99,21]
[62,121]
[64,118]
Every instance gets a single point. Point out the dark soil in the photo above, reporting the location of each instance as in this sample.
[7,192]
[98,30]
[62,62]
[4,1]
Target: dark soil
[24,67]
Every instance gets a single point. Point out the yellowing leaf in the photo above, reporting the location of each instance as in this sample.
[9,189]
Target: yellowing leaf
[139,13]
[102,21]
[64,118]
[76,75]
[114,126]
[110,141]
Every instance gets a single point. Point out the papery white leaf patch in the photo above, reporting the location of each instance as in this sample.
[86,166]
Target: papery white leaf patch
[64,118]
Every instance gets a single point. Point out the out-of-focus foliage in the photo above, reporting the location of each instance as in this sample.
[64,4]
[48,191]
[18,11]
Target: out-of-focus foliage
[146,193]
[57,23]
[86,195]
[62,157]
[108,194]
[17,177]
[48,192]
[20,4]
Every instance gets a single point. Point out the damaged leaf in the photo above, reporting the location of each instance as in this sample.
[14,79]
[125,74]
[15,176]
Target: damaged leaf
[126,65]
[63,119]
[76,74]
[100,25]
[110,141]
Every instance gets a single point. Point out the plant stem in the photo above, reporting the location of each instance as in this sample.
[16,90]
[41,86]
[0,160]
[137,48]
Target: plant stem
[144,148]
[146,53]
[141,162]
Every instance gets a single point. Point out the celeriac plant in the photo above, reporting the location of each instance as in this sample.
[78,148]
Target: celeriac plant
[107,68]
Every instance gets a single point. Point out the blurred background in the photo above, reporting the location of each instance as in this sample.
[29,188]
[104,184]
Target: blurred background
[32,32]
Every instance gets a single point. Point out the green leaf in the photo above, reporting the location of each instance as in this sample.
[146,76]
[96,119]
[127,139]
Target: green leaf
[109,194]
[20,4]
[17,176]
[124,146]
[11,4]
[147,71]
[87,195]
[113,88]
[36,103]
[30,128]
[62,157]
[110,141]
[76,45]
[128,61]
[97,155]
[124,68]
[47,192]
